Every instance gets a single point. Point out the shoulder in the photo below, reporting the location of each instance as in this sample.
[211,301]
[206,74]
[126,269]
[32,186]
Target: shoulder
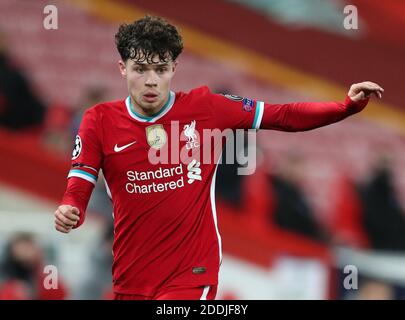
[198,101]
[104,108]
[197,94]
[204,94]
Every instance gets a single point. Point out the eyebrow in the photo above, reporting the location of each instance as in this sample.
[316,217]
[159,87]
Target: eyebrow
[164,64]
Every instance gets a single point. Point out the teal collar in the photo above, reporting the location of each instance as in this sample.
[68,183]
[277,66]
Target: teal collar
[165,109]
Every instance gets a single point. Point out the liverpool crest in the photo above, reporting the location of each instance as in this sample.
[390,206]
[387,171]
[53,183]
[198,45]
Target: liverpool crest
[189,132]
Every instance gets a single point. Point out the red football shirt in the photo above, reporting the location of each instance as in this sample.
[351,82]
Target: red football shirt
[165,221]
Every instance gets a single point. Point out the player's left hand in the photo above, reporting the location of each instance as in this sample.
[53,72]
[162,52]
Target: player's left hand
[363,90]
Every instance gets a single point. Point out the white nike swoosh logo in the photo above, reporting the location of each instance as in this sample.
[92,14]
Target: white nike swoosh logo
[118,149]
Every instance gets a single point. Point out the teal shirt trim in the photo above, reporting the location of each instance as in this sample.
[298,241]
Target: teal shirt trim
[256,114]
[85,173]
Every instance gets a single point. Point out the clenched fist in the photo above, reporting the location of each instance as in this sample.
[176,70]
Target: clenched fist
[66,217]
[363,90]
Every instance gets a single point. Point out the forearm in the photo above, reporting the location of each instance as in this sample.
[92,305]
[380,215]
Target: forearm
[303,116]
[77,195]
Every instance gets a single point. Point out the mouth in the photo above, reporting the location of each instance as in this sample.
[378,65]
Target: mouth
[150,97]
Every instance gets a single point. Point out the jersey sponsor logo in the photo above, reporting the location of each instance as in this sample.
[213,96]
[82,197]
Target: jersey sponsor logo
[233,97]
[156,136]
[119,149]
[189,132]
[247,104]
[143,182]
[148,181]
[78,148]
[194,171]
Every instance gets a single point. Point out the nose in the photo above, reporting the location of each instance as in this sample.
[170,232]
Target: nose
[150,79]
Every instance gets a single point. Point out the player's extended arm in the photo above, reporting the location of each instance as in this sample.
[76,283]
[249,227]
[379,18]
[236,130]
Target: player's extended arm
[71,213]
[303,116]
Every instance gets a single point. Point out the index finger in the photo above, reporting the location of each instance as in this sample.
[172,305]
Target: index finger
[374,85]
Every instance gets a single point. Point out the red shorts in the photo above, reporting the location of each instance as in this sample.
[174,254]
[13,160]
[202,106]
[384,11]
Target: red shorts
[174,293]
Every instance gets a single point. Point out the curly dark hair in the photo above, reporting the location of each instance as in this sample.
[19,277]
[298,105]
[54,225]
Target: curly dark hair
[145,38]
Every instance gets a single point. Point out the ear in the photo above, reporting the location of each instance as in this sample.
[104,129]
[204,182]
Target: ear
[175,63]
[123,68]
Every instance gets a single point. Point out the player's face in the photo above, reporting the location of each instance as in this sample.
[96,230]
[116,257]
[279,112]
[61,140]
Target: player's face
[148,84]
